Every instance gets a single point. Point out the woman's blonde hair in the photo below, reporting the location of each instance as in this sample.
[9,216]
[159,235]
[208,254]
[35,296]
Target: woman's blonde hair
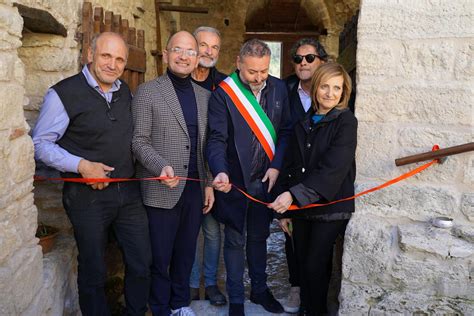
[325,72]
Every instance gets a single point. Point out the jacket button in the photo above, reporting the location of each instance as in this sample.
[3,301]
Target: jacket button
[303,170]
[187,146]
[308,145]
[185,166]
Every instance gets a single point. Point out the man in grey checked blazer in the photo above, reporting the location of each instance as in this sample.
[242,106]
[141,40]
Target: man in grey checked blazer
[170,118]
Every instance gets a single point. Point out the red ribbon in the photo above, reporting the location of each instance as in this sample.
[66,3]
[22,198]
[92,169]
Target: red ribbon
[291,208]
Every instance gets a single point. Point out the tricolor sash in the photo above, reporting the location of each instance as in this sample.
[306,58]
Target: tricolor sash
[252,112]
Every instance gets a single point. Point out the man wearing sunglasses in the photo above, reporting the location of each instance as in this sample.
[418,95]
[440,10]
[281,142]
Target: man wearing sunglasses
[307,55]
[85,130]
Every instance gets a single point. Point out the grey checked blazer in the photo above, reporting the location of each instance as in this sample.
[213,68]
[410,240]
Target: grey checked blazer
[161,138]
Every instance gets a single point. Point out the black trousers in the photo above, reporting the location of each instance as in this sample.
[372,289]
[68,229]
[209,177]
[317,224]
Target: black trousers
[314,243]
[173,238]
[92,213]
[293,274]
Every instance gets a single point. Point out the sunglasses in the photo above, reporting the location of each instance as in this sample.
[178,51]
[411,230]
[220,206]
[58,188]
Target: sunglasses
[297,59]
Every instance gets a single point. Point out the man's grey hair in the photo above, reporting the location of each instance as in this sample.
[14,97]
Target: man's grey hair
[206,29]
[255,48]
[313,42]
[96,37]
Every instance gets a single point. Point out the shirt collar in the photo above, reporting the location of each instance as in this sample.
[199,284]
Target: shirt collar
[93,83]
[259,94]
[300,89]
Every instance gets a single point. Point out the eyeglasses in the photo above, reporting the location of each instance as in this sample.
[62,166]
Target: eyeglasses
[297,59]
[180,51]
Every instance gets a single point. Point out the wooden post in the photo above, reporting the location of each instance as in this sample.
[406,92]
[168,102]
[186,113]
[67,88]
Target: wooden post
[109,16]
[98,18]
[158,52]
[117,23]
[141,44]
[125,34]
[87,30]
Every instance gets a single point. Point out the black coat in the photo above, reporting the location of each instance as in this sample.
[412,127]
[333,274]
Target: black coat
[296,107]
[229,146]
[320,163]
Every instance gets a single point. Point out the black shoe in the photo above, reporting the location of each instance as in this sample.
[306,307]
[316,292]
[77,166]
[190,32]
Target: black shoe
[236,309]
[215,296]
[194,294]
[268,302]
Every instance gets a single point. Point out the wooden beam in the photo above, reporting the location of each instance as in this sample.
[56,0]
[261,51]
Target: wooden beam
[180,8]
[158,58]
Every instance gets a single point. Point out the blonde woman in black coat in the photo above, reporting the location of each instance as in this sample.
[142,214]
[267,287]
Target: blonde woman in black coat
[320,168]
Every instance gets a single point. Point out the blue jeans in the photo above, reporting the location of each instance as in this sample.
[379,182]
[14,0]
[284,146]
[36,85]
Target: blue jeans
[212,246]
[258,218]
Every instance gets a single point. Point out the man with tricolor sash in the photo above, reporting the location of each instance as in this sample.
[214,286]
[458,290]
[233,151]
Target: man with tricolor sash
[249,127]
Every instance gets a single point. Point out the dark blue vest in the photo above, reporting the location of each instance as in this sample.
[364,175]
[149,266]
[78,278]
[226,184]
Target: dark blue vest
[91,133]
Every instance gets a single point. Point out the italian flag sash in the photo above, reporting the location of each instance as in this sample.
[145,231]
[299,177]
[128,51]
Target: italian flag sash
[252,113]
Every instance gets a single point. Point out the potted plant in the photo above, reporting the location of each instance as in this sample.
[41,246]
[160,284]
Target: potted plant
[47,235]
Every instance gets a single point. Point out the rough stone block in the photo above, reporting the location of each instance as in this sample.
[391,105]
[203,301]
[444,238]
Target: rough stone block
[15,192]
[414,19]
[48,59]
[467,205]
[20,159]
[8,42]
[407,199]
[408,303]
[58,282]
[357,299]
[19,71]
[5,66]
[469,170]
[425,137]
[425,238]
[20,279]
[365,235]
[377,60]
[412,103]
[11,111]
[11,20]
[27,279]
[39,82]
[464,231]
[375,150]
[43,40]
[432,60]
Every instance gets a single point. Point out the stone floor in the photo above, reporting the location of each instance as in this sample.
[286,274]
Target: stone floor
[277,281]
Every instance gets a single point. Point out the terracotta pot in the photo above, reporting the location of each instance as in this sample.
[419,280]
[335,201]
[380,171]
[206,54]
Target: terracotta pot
[47,242]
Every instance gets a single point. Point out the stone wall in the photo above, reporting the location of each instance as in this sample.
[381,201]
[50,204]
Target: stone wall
[30,62]
[20,257]
[415,78]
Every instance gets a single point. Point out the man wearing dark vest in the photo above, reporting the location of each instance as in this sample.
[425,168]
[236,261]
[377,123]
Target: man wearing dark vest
[306,54]
[170,119]
[85,130]
[249,130]
[207,76]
